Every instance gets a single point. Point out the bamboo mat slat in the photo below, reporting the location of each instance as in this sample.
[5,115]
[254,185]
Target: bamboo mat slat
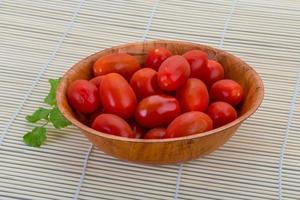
[42,39]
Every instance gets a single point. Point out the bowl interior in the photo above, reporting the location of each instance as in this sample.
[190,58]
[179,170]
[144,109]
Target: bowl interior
[234,68]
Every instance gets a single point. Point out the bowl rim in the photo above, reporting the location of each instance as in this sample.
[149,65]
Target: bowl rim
[77,123]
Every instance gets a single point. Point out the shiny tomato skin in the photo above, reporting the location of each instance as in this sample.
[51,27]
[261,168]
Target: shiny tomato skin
[193,96]
[157,110]
[156,57]
[188,124]
[212,73]
[117,96]
[96,81]
[83,96]
[198,61]
[173,73]
[221,113]
[227,90]
[155,133]
[112,124]
[144,83]
[121,63]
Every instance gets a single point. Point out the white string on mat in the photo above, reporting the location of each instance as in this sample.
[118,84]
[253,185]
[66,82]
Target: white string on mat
[178,180]
[152,13]
[233,5]
[156,4]
[86,159]
[286,135]
[42,71]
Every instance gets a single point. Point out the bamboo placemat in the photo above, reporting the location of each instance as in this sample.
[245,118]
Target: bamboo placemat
[42,39]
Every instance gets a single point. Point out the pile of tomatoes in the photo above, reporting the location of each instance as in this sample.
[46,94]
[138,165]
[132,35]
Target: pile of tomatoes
[170,96]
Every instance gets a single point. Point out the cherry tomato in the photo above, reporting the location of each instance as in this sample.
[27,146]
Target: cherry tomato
[188,124]
[97,81]
[173,73]
[198,61]
[113,124]
[117,96]
[193,96]
[93,115]
[221,113]
[213,72]
[156,57]
[137,129]
[157,110]
[156,133]
[228,91]
[83,96]
[144,83]
[121,63]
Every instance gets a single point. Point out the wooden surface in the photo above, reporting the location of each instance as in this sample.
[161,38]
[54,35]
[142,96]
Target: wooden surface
[165,151]
[42,39]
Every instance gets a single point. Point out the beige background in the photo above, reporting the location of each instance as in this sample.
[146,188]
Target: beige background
[42,39]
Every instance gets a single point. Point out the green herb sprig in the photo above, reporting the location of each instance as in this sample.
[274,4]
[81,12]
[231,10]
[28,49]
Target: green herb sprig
[38,135]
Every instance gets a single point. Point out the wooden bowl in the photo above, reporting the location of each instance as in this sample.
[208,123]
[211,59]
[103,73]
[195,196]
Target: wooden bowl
[173,150]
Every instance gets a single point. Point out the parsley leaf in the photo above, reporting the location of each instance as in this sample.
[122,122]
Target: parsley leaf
[57,119]
[51,97]
[41,113]
[36,137]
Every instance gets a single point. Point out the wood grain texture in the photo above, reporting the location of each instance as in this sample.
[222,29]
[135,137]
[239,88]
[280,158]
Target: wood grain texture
[168,150]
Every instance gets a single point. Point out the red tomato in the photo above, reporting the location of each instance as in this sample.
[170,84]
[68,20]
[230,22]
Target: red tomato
[221,113]
[144,82]
[193,96]
[228,91]
[93,115]
[198,61]
[173,73]
[83,96]
[213,72]
[137,129]
[121,63]
[113,124]
[117,96]
[156,133]
[157,110]
[156,57]
[97,81]
[188,124]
